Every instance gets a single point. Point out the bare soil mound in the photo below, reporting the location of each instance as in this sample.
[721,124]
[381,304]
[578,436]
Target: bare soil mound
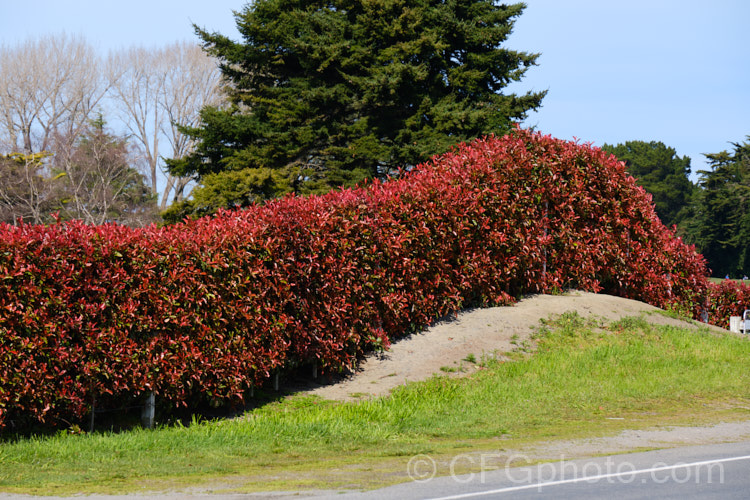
[444,347]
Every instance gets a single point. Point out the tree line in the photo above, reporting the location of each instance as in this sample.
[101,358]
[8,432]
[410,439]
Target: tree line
[85,136]
[317,95]
[713,214]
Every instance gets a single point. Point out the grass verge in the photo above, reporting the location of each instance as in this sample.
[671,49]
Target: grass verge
[581,375]
[720,280]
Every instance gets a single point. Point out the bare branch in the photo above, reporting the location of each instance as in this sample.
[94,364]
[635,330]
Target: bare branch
[47,87]
[157,90]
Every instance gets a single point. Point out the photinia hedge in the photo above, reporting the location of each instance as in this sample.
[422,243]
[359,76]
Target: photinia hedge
[206,309]
[725,299]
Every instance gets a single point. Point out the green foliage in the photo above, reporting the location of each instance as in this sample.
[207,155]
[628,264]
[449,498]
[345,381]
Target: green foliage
[720,226]
[331,93]
[231,189]
[662,173]
[22,159]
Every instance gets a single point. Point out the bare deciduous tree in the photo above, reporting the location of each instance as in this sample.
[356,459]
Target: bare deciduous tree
[48,87]
[156,92]
[135,91]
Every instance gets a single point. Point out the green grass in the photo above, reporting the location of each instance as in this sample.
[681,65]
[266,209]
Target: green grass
[580,375]
[720,280]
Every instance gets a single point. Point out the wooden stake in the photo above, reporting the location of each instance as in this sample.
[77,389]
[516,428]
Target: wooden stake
[93,410]
[149,411]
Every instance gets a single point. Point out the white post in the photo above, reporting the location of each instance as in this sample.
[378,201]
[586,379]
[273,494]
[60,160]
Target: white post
[734,323]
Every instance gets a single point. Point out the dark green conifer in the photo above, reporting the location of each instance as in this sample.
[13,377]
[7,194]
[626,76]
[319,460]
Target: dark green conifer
[329,93]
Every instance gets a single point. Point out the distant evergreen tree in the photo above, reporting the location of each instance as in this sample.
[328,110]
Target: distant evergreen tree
[231,189]
[662,173]
[99,182]
[328,93]
[720,222]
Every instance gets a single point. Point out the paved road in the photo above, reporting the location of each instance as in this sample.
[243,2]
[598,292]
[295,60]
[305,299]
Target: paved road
[700,472]
[720,471]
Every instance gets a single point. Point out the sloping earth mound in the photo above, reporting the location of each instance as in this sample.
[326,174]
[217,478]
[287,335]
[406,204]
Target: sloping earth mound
[444,347]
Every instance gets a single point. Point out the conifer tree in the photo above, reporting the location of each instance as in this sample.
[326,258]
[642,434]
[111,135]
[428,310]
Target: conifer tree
[328,93]
[720,222]
[661,172]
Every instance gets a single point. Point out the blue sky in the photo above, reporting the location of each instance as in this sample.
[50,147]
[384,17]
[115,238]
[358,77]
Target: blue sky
[663,70]
[676,71]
